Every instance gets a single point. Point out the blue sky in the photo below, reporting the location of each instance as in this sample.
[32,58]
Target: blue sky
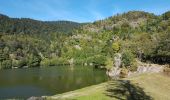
[78,10]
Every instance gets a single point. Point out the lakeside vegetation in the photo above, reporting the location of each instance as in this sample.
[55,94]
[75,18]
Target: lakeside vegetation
[136,34]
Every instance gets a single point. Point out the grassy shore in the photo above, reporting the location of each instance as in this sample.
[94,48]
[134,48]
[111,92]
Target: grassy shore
[140,87]
[155,85]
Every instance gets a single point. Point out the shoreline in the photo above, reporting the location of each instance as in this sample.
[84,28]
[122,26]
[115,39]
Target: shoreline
[143,83]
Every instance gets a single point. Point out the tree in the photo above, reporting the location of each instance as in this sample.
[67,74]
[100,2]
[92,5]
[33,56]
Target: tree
[34,60]
[6,64]
[127,58]
[166,15]
[2,57]
[109,63]
[2,43]
[115,47]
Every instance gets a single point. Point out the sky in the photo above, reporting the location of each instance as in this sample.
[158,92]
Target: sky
[78,10]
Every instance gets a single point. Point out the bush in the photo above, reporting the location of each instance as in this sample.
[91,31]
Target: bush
[19,63]
[97,60]
[34,61]
[79,61]
[22,63]
[59,61]
[45,62]
[54,62]
[133,66]
[109,63]
[115,47]
[128,58]
[123,73]
[6,64]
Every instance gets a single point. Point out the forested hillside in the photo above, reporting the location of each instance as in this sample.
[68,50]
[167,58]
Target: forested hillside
[133,35]
[30,26]
[25,42]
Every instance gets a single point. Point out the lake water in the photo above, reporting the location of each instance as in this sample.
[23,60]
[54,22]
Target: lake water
[24,83]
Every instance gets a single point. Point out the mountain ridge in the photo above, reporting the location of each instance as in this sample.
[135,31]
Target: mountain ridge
[26,25]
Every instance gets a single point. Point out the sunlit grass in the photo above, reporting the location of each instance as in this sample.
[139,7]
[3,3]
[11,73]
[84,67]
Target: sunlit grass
[156,85]
[145,86]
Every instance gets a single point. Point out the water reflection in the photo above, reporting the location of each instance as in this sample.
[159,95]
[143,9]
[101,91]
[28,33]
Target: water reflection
[47,81]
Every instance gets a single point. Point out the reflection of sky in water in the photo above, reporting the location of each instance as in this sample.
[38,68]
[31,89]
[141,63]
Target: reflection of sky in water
[47,81]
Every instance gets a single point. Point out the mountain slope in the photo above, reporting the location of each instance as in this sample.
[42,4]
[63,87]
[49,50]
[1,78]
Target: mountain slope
[30,26]
[141,34]
[129,36]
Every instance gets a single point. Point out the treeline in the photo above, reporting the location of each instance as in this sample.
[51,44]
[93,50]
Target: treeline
[30,26]
[22,50]
[26,42]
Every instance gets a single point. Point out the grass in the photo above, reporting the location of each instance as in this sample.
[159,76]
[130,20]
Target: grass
[140,87]
[156,85]
[95,92]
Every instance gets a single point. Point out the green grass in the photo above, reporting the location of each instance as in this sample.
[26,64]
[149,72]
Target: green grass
[95,92]
[140,87]
[156,85]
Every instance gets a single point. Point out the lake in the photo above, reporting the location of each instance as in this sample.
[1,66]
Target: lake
[24,83]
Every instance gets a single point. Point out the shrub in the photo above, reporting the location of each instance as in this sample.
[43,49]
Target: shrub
[115,47]
[59,61]
[79,61]
[54,62]
[45,62]
[123,73]
[127,58]
[6,64]
[109,63]
[19,63]
[15,63]
[98,60]
[34,61]
[22,63]
[133,66]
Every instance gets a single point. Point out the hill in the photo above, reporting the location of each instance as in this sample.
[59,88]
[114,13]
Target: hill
[139,34]
[30,26]
[128,36]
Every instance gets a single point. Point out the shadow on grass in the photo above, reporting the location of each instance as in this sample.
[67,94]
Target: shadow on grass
[125,90]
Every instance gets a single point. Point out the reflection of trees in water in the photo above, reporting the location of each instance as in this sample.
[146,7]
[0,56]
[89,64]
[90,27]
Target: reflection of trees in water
[68,78]
[125,90]
[53,79]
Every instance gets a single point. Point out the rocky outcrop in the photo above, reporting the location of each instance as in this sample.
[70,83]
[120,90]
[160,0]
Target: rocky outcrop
[117,60]
[147,68]
[142,68]
[115,71]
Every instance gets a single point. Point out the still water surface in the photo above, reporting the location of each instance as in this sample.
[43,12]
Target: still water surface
[24,83]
